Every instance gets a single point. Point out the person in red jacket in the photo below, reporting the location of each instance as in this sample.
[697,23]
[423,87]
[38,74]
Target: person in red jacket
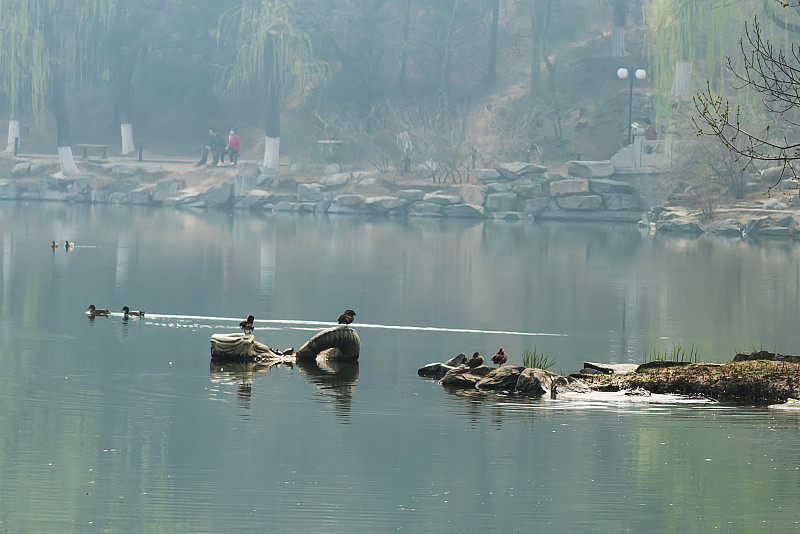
[232,147]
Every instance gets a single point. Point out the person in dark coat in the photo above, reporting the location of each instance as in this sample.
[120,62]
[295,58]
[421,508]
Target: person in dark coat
[215,145]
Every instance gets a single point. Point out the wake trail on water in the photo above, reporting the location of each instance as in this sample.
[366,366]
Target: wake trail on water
[296,324]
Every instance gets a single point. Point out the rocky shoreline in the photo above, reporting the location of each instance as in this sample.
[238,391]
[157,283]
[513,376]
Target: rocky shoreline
[760,378]
[512,191]
[584,191]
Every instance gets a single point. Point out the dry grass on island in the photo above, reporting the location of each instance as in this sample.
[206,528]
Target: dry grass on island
[759,381]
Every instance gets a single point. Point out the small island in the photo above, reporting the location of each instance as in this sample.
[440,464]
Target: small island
[760,378]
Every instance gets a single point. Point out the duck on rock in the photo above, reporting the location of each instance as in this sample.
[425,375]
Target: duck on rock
[475,361]
[247,324]
[500,358]
[347,317]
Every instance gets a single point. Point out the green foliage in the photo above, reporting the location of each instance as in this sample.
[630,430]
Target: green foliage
[271,48]
[39,33]
[536,360]
[676,354]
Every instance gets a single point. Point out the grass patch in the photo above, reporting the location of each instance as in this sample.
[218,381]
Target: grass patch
[676,354]
[536,360]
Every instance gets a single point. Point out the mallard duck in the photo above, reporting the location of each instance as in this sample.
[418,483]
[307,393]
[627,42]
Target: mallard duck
[475,361]
[500,358]
[347,317]
[98,312]
[247,324]
[54,245]
[127,312]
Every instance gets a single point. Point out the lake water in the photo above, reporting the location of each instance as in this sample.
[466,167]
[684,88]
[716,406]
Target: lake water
[125,426]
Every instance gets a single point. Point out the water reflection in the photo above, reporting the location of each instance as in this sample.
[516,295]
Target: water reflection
[336,380]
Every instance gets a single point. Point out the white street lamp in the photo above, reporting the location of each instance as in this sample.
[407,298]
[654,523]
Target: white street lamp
[639,74]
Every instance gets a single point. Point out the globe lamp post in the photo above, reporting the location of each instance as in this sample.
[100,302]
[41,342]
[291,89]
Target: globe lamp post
[639,74]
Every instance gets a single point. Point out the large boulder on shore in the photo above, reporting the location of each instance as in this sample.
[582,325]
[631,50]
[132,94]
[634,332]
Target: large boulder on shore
[438,370]
[464,211]
[538,382]
[590,169]
[218,195]
[465,378]
[501,379]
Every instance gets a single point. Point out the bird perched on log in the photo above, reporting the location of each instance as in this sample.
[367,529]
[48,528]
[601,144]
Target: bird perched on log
[127,312]
[500,358]
[98,312]
[247,324]
[475,361]
[347,317]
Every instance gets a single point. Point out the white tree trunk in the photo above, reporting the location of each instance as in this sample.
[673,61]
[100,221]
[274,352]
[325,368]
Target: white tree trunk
[618,42]
[682,83]
[127,139]
[68,166]
[272,153]
[13,134]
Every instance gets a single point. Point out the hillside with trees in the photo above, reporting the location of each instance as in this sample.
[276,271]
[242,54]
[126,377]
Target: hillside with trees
[400,83]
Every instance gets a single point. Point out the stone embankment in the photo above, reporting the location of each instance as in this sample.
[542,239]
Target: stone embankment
[758,215]
[512,191]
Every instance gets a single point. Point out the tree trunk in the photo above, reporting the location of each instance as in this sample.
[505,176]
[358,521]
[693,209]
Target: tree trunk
[618,42]
[273,120]
[58,105]
[404,55]
[540,18]
[13,135]
[491,74]
[620,8]
[445,61]
[124,103]
[682,83]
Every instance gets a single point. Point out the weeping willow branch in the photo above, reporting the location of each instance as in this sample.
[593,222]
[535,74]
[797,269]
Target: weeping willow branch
[775,75]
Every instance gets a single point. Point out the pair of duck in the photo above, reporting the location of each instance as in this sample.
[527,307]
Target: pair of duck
[67,245]
[102,312]
[498,359]
[247,325]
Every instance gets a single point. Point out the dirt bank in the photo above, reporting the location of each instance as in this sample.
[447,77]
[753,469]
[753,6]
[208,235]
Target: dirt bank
[758,381]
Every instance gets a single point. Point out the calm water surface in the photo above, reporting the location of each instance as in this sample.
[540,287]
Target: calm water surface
[115,426]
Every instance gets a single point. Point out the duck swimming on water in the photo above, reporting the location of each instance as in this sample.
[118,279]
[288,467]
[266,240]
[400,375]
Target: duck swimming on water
[54,245]
[68,245]
[126,312]
[97,312]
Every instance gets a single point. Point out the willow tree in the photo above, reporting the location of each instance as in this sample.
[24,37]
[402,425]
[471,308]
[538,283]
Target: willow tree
[769,70]
[687,34]
[273,54]
[47,44]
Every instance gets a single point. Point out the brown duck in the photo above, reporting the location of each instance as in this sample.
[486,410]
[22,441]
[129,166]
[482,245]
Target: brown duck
[347,317]
[98,312]
[500,358]
[475,361]
[247,324]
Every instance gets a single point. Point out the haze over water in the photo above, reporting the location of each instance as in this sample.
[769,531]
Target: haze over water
[124,426]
